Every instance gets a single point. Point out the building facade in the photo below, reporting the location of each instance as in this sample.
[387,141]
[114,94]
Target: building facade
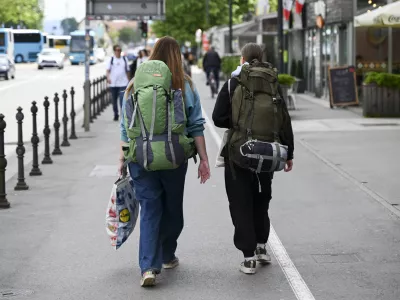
[323,36]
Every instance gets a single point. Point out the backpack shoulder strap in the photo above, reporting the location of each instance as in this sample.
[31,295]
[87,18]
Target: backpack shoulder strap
[112,60]
[126,64]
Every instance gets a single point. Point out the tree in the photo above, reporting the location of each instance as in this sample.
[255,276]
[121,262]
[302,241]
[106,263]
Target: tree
[129,35]
[68,25]
[183,18]
[25,13]
[273,5]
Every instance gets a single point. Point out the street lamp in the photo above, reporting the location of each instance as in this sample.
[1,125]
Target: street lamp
[230,27]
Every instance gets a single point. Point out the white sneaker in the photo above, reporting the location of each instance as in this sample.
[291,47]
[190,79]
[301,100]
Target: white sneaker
[262,256]
[248,266]
[172,264]
[148,279]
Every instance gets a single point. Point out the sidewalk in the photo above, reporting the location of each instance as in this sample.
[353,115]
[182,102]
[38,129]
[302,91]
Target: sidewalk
[344,244]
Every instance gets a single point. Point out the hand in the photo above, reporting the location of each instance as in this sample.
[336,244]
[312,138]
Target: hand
[108,80]
[289,166]
[204,171]
[120,167]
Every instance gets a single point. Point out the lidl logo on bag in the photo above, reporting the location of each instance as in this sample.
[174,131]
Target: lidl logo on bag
[124,216]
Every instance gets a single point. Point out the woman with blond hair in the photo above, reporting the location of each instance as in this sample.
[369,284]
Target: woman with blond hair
[162,117]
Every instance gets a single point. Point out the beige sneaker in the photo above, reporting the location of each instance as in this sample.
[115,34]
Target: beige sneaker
[148,279]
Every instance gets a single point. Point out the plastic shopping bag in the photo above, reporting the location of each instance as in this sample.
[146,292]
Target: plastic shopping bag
[122,212]
[220,162]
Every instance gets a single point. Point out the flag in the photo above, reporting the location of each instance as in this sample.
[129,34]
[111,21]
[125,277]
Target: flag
[299,6]
[287,7]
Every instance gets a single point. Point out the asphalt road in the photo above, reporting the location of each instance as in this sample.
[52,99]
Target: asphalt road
[32,84]
[332,238]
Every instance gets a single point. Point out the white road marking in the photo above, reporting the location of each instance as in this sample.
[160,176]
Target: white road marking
[351,179]
[296,282]
[18,83]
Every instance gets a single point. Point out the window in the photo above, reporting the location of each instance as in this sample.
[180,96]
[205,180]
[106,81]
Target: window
[78,43]
[27,37]
[2,39]
[61,43]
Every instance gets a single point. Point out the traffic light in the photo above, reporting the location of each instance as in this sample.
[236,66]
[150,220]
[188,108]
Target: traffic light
[143,28]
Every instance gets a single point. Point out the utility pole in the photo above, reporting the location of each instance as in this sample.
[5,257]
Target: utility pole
[230,28]
[280,36]
[86,122]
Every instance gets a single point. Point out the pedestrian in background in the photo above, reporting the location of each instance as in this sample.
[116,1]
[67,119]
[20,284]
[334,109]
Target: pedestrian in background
[249,193]
[142,56]
[212,63]
[160,192]
[117,78]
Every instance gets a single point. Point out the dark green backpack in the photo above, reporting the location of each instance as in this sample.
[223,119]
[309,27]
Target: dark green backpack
[257,118]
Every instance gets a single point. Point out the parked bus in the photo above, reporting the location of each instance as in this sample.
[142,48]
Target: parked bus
[77,47]
[61,42]
[7,42]
[28,44]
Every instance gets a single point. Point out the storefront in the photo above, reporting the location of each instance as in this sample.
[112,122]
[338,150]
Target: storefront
[327,43]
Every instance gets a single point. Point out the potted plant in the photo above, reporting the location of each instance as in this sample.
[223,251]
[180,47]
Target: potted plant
[381,95]
[285,81]
[301,84]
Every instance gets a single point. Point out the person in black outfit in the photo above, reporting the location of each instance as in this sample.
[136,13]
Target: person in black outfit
[249,194]
[212,63]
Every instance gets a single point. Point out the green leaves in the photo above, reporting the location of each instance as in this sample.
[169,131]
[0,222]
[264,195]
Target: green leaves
[128,35]
[183,18]
[68,25]
[383,79]
[24,12]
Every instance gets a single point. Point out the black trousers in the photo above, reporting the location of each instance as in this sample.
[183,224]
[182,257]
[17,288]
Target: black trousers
[249,207]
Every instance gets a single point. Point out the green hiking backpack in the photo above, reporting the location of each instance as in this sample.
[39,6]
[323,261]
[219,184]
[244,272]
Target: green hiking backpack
[155,120]
[257,119]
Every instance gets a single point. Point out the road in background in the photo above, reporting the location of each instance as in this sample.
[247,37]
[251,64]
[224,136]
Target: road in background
[32,84]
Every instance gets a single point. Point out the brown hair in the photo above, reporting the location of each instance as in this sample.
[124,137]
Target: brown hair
[252,51]
[167,50]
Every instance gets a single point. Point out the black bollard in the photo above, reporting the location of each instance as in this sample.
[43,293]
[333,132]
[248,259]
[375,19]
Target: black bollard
[94,99]
[3,164]
[35,141]
[65,142]
[73,114]
[21,184]
[57,150]
[102,94]
[46,131]
[98,97]
[90,101]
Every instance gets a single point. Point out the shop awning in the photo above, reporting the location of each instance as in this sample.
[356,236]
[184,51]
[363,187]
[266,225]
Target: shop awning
[385,16]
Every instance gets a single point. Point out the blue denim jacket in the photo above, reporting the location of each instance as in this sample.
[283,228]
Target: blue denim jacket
[195,121]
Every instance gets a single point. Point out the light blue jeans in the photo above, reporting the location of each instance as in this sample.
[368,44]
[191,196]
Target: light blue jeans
[160,194]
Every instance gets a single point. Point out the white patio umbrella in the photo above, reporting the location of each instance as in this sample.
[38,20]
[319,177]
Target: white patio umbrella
[385,16]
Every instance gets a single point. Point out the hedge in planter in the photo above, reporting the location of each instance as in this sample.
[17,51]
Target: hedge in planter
[229,64]
[381,95]
[285,81]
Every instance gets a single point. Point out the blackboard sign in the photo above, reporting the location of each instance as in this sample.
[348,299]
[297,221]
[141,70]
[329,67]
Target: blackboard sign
[343,86]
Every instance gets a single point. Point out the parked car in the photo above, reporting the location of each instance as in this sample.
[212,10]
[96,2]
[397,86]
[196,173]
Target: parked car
[7,67]
[100,54]
[51,57]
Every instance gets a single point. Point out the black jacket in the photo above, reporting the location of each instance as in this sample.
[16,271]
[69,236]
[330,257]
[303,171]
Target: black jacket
[211,60]
[222,115]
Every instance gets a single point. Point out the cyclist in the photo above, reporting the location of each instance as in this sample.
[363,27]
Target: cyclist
[212,63]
